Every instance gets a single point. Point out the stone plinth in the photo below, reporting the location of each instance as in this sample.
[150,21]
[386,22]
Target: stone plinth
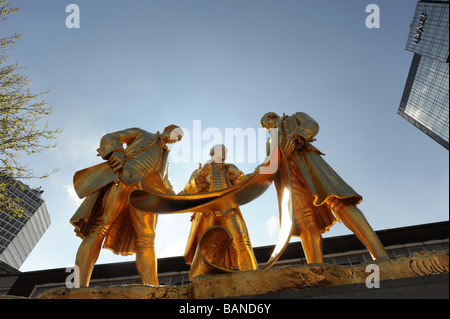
[275,280]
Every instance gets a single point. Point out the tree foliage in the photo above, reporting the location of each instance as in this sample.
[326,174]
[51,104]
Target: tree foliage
[22,132]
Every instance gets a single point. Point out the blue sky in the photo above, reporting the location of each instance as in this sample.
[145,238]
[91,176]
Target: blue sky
[152,63]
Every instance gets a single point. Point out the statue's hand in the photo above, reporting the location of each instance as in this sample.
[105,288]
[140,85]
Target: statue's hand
[294,141]
[299,140]
[289,147]
[116,160]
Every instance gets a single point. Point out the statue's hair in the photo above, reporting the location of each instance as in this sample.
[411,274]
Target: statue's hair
[211,152]
[170,127]
[269,116]
[176,133]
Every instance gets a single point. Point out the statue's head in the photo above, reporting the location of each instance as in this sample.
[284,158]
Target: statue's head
[218,153]
[269,119]
[172,134]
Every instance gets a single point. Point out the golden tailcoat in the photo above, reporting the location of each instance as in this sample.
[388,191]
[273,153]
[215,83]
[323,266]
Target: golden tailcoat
[207,179]
[144,153]
[307,165]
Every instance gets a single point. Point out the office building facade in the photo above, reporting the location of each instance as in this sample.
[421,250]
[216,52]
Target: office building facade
[425,100]
[19,235]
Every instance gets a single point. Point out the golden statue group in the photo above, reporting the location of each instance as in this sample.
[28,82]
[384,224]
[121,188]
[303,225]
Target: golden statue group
[124,195]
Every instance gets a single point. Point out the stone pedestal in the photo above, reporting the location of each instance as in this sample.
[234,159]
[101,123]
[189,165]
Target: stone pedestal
[297,281]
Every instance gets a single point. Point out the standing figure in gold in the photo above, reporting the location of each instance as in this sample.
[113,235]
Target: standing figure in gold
[105,216]
[317,190]
[213,176]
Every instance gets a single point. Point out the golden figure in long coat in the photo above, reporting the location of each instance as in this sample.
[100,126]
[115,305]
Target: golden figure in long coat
[317,190]
[213,176]
[105,215]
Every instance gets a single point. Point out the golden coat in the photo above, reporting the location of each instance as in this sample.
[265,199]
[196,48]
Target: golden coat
[144,153]
[307,165]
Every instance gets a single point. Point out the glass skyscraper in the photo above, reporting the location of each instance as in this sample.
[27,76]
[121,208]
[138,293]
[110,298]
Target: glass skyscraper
[19,235]
[425,102]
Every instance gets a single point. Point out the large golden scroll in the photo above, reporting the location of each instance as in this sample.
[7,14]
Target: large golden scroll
[153,197]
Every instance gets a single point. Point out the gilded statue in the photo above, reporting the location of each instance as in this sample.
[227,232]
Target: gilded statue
[105,216]
[217,175]
[319,195]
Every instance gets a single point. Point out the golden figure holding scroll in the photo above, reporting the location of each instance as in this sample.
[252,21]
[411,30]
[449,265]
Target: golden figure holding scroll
[105,216]
[213,176]
[317,190]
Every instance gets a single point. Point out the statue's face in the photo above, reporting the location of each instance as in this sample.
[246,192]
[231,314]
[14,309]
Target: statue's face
[220,154]
[172,136]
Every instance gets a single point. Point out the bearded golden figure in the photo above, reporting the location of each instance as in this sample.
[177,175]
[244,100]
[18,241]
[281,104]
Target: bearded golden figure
[213,176]
[105,216]
[320,196]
